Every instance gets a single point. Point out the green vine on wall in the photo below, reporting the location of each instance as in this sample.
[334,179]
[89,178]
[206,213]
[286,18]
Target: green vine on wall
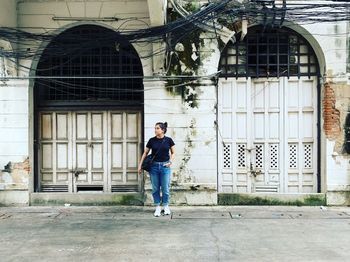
[184,59]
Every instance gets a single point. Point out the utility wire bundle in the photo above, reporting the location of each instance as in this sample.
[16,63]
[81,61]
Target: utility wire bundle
[27,44]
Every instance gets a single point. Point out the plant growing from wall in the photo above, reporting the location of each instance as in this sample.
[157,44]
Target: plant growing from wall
[184,59]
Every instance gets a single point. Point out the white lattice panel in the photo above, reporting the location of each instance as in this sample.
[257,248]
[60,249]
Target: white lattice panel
[293,155]
[274,156]
[241,156]
[307,155]
[227,156]
[259,156]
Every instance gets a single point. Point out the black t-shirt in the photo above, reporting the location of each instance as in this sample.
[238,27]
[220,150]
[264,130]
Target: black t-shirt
[154,143]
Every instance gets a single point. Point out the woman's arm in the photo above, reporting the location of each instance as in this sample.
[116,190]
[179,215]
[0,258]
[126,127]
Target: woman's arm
[172,155]
[145,153]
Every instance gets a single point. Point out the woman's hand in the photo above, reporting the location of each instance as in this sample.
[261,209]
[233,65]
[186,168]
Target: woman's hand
[172,154]
[145,153]
[168,164]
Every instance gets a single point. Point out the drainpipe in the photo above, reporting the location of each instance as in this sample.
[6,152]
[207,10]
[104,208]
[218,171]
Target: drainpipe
[217,133]
[2,63]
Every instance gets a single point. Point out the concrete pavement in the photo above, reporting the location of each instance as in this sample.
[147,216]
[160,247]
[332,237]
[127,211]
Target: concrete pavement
[219,233]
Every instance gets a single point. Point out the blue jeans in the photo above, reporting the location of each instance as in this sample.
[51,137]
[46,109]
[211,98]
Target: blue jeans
[160,179]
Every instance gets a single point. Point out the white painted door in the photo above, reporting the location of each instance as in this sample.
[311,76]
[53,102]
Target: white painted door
[269,132]
[89,151]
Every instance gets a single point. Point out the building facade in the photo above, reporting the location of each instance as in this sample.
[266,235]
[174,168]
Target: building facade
[257,113]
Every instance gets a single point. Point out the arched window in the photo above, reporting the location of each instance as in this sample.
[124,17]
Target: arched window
[268,53]
[86,66]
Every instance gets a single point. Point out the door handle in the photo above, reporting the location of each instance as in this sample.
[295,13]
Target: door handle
[255,172]
[251,149]
[76,172]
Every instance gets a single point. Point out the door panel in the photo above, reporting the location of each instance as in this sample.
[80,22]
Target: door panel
[91,139]
[54,151]
[124,145]
[89,151]
[269,130]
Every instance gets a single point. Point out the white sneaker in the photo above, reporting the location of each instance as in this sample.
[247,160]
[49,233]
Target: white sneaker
[157,212]
[166,210]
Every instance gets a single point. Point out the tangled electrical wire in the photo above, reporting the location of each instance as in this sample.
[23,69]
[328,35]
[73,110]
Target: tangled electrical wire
[26,40]
[214,17]
[29,45]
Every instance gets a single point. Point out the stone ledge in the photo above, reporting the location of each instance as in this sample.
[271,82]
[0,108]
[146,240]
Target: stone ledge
[314,199]
[14,187]
[338,198]
[337,188]
[14,197]
[86,199]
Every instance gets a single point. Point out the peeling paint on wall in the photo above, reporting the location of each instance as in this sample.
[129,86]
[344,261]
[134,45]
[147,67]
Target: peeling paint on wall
[185,63]
[184,174]
[15,175]
[185,59]
[336,106]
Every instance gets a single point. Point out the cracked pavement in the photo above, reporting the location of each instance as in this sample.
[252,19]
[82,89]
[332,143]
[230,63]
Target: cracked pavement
[218,233]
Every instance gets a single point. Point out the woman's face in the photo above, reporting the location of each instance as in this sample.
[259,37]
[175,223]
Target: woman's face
[158,131]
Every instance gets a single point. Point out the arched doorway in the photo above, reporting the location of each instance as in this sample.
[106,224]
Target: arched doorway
[268,114]
[88,103]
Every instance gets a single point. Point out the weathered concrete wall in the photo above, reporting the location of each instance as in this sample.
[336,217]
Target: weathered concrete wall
[328,40]
[194,133]
[14,183]
[336,109]
[8,13]
[14,162]
[190,110]
[13,122]
[335,103]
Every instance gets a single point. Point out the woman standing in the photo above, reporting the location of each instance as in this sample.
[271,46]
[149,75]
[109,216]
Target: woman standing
[160,146]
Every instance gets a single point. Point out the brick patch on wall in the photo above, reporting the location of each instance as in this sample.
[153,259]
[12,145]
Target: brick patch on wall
[331,115]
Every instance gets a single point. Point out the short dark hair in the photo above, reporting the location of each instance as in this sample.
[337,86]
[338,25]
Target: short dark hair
[163,126]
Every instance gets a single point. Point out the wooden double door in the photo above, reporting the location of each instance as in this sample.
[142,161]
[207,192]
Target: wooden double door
[89,151]
[269,135]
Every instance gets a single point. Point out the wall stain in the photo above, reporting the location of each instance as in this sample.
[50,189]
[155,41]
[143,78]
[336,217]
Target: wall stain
[184,174]
[184,61]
